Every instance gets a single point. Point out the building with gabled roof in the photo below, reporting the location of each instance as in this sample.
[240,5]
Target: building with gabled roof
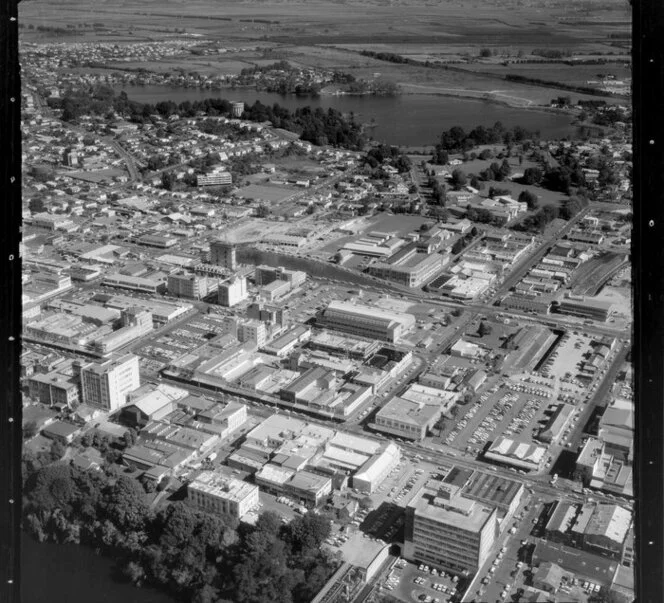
[518,454]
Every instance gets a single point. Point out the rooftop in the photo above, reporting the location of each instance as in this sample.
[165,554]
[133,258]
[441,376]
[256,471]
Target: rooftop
[223,487]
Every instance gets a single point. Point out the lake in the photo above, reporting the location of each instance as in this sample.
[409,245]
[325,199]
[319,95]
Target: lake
[408,119]
[59,573]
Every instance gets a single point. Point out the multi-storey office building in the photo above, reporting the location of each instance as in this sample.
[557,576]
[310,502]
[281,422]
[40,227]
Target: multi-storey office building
[448,531]
[107,384]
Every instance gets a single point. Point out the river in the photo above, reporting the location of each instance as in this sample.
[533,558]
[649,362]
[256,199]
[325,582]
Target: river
[68,573]
[407,119]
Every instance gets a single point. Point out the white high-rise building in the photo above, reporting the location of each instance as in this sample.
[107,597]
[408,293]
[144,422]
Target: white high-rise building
[232,292]
[106,385]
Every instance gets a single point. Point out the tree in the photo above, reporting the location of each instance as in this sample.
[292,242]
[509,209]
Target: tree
[532,175]
[50,488]
[530,198]
[484,329]
[308,533]
[125,504]
[485,53]
[133,572]
[366,503]
[57,450]
[440,156]
[263,211]
[458,179]
[168,180]
[440,213]
[458,247]
[36,205]
[30,430]
[269,522]
[207,594]
[505,169]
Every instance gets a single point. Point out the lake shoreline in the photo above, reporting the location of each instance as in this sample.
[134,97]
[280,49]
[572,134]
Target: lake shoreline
[410,119]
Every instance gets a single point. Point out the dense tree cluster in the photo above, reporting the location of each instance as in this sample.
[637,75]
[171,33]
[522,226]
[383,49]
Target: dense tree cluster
[383,153]
[565,176]
[457,140]
[497,171]
[193,555]
[480,215]
[522,79]
[538,221]
[572,206]
[317,126]
[465,240]
[390,57]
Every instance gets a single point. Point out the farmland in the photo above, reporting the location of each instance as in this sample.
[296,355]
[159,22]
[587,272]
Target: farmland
[332,36]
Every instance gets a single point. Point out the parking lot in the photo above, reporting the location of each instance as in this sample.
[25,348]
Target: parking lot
[419,583]
[498,411]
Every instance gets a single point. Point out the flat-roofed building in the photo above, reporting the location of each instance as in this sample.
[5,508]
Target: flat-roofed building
[215,494]
[157,240]
[495,491]
[61,431]
[448,531]
[275,290]
[308,487]
[286,343]
[54,388]
[367,321]
[556,424]
[135,283]
[231,416]
[136,323]
[607,530]
[616,427]
[184,437]
[343,345]
[214,179]
[408,267]
[190,286]
[252,331]
[314,381]
[223,253]
[106,385]
[407,419]
[266,313]
[272,478]
[232,292]
[585,308]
